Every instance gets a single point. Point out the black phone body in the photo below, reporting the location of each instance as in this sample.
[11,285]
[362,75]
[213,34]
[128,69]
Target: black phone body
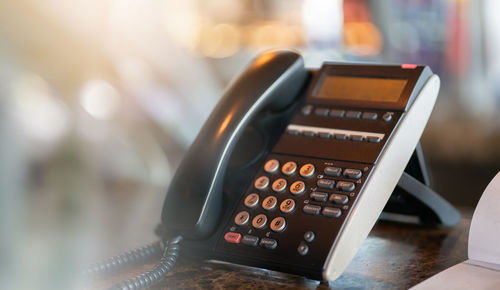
[305,184]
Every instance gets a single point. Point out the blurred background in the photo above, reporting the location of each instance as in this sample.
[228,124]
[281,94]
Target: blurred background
[99,100]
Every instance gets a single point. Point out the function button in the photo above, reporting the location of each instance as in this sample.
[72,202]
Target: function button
[319,196]
[306,110]
[321,111]
[268,243]
[331,212]
[269,202]
[289,168]
[287,206]
[241,218]
[279,185]
[309,133]
[233,238]
[278,224]
[373,139]
[369,116]
[251,200]
[303,249]
[261,183]
[353,114]
[271,166]
[297,187]
[340,136]
[337,113]
[312,209]
[333,171]
[345,186]
[325,183]
[324,135]
[250,240]
[259,221]
[309,236]
[357,137]
[339,198]
[387,116]
[293,132]
[352,173]
[307,170]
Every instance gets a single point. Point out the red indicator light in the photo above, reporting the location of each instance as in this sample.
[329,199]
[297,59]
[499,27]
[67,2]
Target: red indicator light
[408,66]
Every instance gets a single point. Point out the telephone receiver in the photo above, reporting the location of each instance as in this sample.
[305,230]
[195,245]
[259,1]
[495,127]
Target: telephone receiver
[347,137]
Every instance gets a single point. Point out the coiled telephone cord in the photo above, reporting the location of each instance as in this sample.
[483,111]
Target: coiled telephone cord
[170,252]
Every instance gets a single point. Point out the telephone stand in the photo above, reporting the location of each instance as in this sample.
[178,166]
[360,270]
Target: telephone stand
[413,201]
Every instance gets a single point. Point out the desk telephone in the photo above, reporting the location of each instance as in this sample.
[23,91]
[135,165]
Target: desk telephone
[293,167]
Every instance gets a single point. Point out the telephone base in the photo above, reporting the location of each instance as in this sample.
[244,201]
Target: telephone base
[413,201]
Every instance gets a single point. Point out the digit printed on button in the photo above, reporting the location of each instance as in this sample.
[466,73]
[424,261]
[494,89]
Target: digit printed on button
[271,166]
[279,185]
[278,224]
[261,183]
[259,221]
[251,200]
[269,202]
[297,187]
[287,206]
[307,170]
[289,168]
[241,218]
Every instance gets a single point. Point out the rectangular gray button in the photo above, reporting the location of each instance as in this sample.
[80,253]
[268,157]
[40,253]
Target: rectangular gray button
[268,243]
[373,139]
[345,186]
[357,137]
[250,240]
[353,114]
[369,116]
[324,135]
[308,133]
[312,209]
[332,212]
[293,132]
[340,136]
[321,112]
[333,171]
[352,173]
[325,183]
[337,113]
[319,196]
[339,198]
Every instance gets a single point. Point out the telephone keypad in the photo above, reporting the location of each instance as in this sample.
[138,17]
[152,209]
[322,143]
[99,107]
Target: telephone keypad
[271,166]
[289,168]
[259,221]
[269,203]
[279,185]
[252,200]
[307,170]
[241,218]
[278,224]
[261,183]
[287,206]
[297,187]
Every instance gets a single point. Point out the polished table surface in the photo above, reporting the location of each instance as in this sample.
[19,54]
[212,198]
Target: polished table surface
[393,256]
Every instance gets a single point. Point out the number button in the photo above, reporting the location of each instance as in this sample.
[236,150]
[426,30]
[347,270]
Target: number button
[252,200]
[241,218]
[269,202]
[307,170]
[271,166]
[287,206]
[289,168]
[259,221]
[261,183]
[279,185]
[297,187]
[278,224]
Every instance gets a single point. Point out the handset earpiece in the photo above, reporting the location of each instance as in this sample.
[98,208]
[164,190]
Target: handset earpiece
[194,198]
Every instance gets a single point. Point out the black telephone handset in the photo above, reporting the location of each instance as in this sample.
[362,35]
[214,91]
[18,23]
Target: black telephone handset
[194,199]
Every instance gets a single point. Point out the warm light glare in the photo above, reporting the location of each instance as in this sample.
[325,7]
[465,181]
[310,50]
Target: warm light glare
[99,99]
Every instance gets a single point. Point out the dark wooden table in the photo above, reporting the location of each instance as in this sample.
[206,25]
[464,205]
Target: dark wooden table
[393,256]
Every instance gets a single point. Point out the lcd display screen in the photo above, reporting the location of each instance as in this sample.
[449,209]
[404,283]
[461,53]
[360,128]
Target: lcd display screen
[361,88]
